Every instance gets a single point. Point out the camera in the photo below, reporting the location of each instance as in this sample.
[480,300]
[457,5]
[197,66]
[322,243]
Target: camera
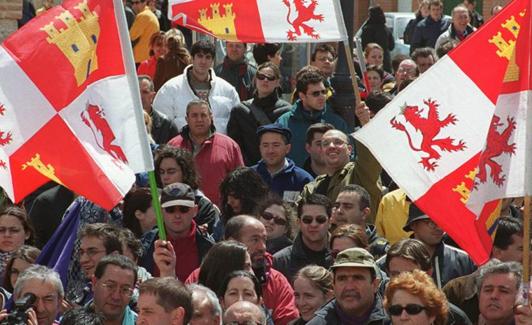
[19,316]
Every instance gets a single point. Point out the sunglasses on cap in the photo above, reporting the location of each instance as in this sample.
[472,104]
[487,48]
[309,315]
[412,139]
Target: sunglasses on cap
[277,220]
[261,76]
[319,219]
[411,309]
[175,208]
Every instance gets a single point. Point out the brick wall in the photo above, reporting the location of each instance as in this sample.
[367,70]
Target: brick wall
[10,11]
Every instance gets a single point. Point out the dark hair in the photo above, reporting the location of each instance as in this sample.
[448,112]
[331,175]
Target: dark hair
[245,184]
[273,66]
[376,100]
[22,216]
[397,59]
[308,77]
[315,199]
[365,200]
[117,260]
[183,159]
[274,199]
[322,47]
[376,68]
[410,249]
[132,243]
[136,199]
[82,315]
[261,52]
[107,233]
[170,294]
[26,253]
[506,227]
[352,231]
[435,3]
[424,52]
[241,274]
[223,258]
[376,16]
[203,46]
[317,128]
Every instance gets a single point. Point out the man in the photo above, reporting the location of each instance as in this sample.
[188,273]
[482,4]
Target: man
[215,154]
[198,81]
[281,175]
[164,301]
[311,243]
[392,215]
[364,171]
[447,262]
[425,57]
[206,307]
[355,286]
[185,242]
[145,25]
[265,52]
[323,58]
[46,285]
[162,128]
[476,19]
[113,282]
[315,163]
[244,312]
[311,108]
[406,71]
[352,206]
[430,28]
[237,70]
[459,29]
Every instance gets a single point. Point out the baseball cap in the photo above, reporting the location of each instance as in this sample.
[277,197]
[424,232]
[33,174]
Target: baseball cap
[414,214]
[275,128]
[177,194]
[354,257]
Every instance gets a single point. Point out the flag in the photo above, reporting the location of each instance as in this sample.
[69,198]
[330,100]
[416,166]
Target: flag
[259,21]
[460,125]
[67,105]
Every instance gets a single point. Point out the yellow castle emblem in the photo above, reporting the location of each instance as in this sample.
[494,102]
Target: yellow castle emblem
[222,26]
[78,40]
[46,170]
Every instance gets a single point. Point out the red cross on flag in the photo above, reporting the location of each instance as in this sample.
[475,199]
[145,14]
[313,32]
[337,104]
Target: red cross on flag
[67,105]
[459,137]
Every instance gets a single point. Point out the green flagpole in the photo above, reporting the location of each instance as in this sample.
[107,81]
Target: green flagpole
[156,204]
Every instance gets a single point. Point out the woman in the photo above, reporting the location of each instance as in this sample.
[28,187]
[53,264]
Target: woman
[374,55]
[277,217]
[15,231]
[139,216]
[312,289]
[412,297]
[375,77]
[23,258]
[375,31]
[348,236]
[157,50]
[422,13]
[174,61]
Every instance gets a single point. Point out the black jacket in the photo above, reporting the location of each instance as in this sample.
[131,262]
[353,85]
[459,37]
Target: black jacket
[276,244]
[380,34]
[293,258]
[378,246]
[327,314]
[163,129]
[427,32]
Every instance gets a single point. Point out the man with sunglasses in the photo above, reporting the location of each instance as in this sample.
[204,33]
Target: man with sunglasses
[185,242]
[310,108]
[355,286]
[311,243]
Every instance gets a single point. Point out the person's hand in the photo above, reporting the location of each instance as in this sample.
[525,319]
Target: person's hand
[67,305]
[362,113]
[164,258]
[3,314]
[32,317]
[523,315]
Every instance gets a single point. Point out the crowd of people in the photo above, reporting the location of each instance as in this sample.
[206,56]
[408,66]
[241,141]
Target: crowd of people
[273,213]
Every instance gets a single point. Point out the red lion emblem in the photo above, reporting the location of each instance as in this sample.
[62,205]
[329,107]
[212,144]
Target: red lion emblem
[429,127]
[497,144]
[304,14]
[94,118]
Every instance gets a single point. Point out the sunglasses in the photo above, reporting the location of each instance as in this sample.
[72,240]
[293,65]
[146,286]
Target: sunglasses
[411,309]
[277,220]
[319,93]
[319,219]
[261,76]
[173,209]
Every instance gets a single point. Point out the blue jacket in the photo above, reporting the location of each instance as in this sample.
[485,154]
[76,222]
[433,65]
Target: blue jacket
[427,32]
[290,179]
[298,120]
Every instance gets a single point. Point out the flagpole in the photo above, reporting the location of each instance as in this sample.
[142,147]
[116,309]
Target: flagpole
[526,250]
[352,72]
[131,73]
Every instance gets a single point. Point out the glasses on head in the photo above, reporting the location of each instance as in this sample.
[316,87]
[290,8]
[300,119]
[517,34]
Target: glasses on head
[277,220]
[90,252]
[261,76]
[319,219]
[319,93]
[111,287]
[411,309]
[176,208]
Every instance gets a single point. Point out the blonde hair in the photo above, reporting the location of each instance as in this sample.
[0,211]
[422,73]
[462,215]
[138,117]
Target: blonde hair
[319,276]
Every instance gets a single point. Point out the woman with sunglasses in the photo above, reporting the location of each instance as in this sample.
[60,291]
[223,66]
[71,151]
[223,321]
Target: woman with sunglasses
[277,218]
[264,108]
[413,298]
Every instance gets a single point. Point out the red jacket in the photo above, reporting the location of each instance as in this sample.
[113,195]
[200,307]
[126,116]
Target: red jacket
[218,156]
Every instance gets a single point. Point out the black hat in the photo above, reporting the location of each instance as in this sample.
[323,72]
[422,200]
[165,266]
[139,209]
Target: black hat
[177,194]
[275,128]
[414,214]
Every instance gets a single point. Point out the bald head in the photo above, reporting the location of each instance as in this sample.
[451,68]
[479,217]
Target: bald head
[244,311]
[233,228]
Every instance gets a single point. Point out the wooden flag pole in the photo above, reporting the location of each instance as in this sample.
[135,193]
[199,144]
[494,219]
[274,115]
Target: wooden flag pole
[352,72]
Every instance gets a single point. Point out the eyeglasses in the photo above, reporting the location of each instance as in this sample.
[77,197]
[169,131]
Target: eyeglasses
[111,287]
[277,220]
[90,252]
[319,93]
[319,219]
[411,309]
[175,208]
[261,76]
